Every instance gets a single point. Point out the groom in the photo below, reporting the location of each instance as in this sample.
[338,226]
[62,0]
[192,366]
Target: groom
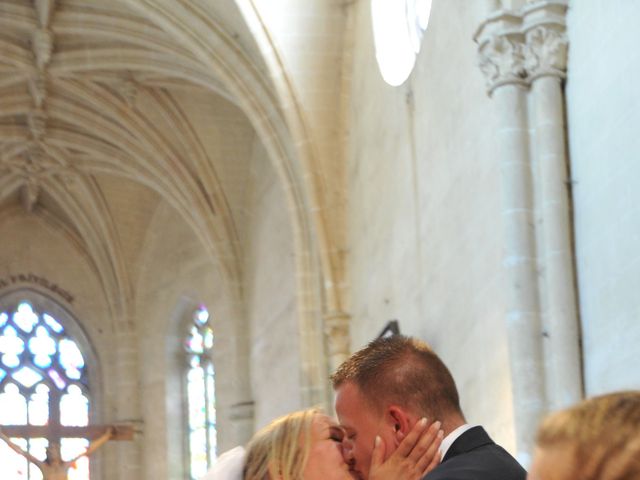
[385,388]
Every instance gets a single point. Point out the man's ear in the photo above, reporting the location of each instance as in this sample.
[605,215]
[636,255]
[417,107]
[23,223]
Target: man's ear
[399,421]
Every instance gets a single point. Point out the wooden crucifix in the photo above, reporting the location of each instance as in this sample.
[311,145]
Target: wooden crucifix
[53,467]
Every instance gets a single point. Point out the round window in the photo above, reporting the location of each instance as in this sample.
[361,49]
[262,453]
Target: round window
[398,27]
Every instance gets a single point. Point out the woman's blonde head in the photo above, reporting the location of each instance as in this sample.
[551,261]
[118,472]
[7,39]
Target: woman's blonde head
[598,439]
[280,450]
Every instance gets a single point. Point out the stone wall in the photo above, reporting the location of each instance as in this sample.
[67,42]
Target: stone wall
[270,295]
[603,114]
[424,209]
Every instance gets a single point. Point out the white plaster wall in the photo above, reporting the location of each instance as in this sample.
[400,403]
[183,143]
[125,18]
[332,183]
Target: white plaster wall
[424,209]
[603,102]
[271,295]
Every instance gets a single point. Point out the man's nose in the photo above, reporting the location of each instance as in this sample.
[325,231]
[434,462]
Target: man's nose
[347,450]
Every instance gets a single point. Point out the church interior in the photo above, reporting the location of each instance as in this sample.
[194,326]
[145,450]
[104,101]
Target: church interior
[207,205]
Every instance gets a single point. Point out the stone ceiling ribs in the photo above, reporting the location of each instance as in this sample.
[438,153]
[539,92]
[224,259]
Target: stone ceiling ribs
[78,80]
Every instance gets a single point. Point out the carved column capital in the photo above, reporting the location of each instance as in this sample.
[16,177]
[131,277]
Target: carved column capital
[518,47]
[501,50]
[544,25]
[546,53]
[502,61]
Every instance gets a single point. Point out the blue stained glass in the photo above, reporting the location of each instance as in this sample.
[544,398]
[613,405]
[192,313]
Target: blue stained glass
[27,376]
[208,338]
[11,361]
[25,317]
[196,342]
[201,394]
[11,346]
[42,346]
[53,323]
[71,358]
[57,379]
[201,316]
[36,363]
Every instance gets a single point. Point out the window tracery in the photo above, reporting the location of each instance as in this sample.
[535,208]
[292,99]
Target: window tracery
[43,380]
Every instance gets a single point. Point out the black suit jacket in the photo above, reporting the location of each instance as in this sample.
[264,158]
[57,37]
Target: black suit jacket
[474,456]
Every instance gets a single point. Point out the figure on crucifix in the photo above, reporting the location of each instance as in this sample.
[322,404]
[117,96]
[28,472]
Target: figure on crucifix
[53,467]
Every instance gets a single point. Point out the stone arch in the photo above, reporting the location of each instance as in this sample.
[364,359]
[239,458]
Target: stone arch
[288,144]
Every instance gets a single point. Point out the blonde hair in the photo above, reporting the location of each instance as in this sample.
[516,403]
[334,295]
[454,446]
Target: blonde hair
[280,450]
[601,437]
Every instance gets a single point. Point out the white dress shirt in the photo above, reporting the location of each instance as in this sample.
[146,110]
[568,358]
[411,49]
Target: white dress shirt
[452,437]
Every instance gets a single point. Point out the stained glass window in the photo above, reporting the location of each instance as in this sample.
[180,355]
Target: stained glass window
[201,394]
[43,380]
[398,27]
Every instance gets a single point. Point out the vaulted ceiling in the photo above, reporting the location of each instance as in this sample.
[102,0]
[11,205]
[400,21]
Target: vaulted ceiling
[109,106]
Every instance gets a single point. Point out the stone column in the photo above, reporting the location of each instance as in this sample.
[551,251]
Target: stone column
[242,418]
[546,55]
[336,329]
[128,403]
[242,410]
[502,61]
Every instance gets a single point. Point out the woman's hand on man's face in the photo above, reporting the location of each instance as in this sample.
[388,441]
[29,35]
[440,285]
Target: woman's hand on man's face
[417,454]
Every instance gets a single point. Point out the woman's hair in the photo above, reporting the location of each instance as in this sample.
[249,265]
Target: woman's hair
[280,450]
[601,437]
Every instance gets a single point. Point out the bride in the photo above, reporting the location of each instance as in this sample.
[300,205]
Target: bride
[307,445]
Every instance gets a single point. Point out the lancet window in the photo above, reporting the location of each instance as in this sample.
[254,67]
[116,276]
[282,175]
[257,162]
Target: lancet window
[201,394]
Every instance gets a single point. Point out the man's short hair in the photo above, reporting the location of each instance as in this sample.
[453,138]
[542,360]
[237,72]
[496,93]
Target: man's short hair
[404,371]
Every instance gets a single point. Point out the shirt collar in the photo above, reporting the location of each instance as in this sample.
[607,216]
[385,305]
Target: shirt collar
[452,437]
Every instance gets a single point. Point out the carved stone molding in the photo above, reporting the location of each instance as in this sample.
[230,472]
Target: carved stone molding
[44,11]
[502,61]
[38,89]
[336,329]
[516,47]
[37,121]
[242,411]
[34,165]
[42,46]
[29,194]
[546,53]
